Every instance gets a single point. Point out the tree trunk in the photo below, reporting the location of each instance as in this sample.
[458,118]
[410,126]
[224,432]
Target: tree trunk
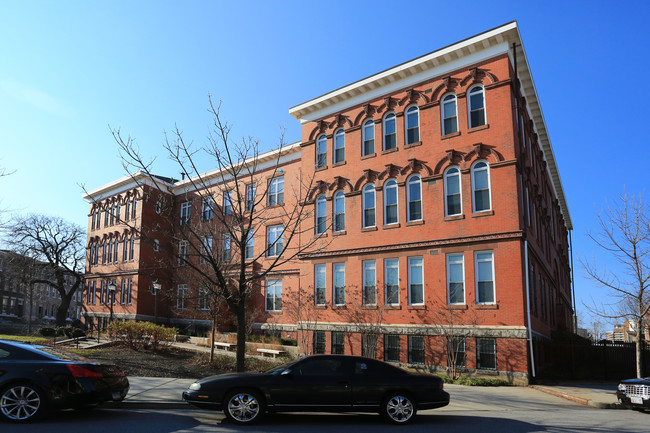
[241,336]
[638,340]
[214,329]
[62,311]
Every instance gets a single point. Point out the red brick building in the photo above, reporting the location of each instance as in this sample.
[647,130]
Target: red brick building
[439,204]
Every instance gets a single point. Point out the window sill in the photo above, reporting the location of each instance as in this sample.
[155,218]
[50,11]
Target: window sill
[478,128]
[416,307]
[454,218]
[271,206]
[482,214]
[341,233]
[391,226]
[452,135]
[415,144]
[457,306]
[415,223]
[338,164]
[321,235]
[487,306]
[369,307]
[384,152]
[339,307]
[320,307]
[393,307]
[321,168]
[369,229]
[372,155]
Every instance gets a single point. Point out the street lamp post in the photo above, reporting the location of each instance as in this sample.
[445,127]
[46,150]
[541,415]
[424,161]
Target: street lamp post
[111,291]
[155,286]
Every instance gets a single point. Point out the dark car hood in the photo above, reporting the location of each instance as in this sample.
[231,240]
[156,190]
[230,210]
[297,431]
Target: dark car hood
[229,376]
[643,381]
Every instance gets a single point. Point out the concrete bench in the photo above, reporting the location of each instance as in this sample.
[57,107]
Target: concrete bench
[224,346]
[272,352]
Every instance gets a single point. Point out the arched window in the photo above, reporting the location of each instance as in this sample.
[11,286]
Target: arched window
[321,151]
[476,106]
[449,114]
[453,202]
[339,146]
[414,198]
[368,137]
[390,202]
[369,206]
[390,135]
[339,212]
[481,186]
[321,215]
[412,124]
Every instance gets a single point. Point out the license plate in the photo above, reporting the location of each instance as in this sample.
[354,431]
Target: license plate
[636,400]
[117,395]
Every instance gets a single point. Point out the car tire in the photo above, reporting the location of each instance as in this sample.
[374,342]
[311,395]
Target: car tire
[22,402]
[244,407]
[398,408]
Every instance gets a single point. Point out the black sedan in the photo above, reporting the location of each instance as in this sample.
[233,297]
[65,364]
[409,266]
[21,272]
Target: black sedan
[322,383]
[634,393]
[37,379]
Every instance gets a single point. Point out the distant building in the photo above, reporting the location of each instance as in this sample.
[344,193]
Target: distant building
[626,333]
[20,299]
[437,189]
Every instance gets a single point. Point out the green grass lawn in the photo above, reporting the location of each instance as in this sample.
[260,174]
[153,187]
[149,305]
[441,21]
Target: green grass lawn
[24,338]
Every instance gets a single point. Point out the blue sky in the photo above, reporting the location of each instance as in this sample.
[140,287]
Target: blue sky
[69,69]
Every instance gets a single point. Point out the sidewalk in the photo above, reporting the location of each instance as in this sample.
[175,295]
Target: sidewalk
[165,393]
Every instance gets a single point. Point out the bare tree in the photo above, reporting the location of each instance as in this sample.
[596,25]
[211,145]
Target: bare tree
[300,308]
[624,233]
[58,247]
[238,200]
[366,318]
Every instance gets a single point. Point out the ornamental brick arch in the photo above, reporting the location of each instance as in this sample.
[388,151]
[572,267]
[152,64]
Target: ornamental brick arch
[483,151]
[448,84]
[415,166]
[369,176]
[318,189]
[320,128]
[477,76]
[368,112]
[413,97]
[452,157]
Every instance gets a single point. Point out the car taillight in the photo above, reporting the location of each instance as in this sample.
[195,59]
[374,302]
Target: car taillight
[79,371]
[442,385]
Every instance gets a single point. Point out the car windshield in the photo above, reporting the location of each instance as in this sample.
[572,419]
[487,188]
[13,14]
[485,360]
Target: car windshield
[279,369]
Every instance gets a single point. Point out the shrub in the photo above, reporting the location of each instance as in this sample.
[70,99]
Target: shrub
[139,335]
[47,332]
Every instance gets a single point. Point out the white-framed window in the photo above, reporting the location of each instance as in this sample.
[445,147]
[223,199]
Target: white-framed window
[129,292]
[390,202]
[414,198]
[112,214]
[368,133]
[250,245]
[276,191]
[134,208]
[203,300]
[484,262]
[339,284]
[453,194]
[125,248]
[339,211]
[251,191]
[369,296]
[456,352]
[321,151]
[476,106]
[390,132]
[181,297]
[226,247]
[321,214]
[186,209]
[416,280]
[207,208]
[412,120]
[338,343]
[127,210]
[123,293]
[481,186]
[391,348]
[320,284]
[273,295]
[416,349]
[106,214]
[368,199]
[455,279]
[183,252]
[159,207]
[156,246]
[274,240]
[318,341]
[339,146]
[449,114]
[118,213]
[206,250]
[116,248]
[110,252]
[391,280]
[227,203]
[486,353]
[131,247]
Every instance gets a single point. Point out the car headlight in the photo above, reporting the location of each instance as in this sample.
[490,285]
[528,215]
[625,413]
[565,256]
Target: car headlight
[621,387]
[195,386]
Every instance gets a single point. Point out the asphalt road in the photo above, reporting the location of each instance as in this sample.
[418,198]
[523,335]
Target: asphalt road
[473,409]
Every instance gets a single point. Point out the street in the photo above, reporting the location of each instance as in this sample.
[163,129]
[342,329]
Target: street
[506,409]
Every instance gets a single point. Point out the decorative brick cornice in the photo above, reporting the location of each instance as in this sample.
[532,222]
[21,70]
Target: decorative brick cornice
[437,243]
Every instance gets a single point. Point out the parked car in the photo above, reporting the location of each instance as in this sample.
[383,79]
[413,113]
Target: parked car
[634,393]
[321,383]
[37,379]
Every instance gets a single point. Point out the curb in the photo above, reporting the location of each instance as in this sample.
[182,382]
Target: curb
[579,400]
